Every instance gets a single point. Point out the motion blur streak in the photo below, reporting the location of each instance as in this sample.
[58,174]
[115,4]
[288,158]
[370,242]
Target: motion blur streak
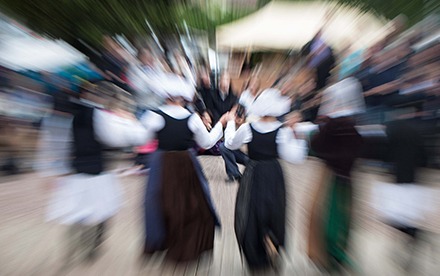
[79,80]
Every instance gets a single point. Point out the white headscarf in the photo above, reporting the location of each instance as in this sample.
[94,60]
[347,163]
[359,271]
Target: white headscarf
[344,98]
[270,103]
[173,85]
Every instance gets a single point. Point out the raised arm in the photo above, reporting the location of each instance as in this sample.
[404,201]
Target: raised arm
[235,138]
[202,137]
[115,131]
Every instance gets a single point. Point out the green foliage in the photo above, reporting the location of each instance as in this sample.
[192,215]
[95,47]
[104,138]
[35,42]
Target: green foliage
[210,17]
[89,19]
[413,9]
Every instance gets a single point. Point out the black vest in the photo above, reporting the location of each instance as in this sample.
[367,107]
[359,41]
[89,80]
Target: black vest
[176,135]
[87,151]
[263,145]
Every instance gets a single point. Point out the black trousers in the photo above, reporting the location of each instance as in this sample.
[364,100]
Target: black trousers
[232,157]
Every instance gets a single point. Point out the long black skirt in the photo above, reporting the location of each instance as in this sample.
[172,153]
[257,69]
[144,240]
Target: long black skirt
[179,214]
[260,211]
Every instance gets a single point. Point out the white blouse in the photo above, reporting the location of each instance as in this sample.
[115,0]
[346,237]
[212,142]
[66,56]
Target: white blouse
[56,140]
[116,132]
[288,147]
[154,122]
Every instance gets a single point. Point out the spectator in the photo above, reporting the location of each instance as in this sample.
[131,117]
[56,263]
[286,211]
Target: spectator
[205,89]
[321,57]
[223,98]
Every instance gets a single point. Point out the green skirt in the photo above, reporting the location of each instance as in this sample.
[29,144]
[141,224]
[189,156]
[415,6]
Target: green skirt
[338,218]
[330,221]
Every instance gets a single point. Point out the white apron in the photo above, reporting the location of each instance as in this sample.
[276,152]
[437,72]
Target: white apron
[85,199]
[404,204]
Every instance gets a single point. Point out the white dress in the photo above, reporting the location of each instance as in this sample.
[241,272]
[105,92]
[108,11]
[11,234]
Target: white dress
[82,198]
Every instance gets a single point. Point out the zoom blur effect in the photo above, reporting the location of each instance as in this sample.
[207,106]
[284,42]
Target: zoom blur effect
[134,141]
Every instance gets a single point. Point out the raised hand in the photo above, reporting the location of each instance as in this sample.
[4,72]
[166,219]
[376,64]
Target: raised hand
[224,119]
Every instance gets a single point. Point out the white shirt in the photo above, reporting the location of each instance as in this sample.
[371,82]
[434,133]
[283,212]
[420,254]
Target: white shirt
[154,122]
[56,141]
[288,147]
[116,132]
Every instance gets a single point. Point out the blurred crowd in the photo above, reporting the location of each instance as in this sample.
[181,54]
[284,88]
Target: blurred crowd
[399,77]
[382,100]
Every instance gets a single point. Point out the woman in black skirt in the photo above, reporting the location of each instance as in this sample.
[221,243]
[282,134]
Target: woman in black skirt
[261,199]
[179,213]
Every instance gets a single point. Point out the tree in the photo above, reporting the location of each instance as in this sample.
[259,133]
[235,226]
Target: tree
[413,9]
[88,20]
[208,18]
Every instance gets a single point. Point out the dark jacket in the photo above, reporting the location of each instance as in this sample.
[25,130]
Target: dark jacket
[218,106]
[205,95]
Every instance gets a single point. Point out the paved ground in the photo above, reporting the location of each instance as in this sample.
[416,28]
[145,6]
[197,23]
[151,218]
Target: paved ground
[30,246]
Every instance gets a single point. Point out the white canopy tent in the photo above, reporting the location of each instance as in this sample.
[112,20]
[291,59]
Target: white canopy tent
[290,25]
[39,55]
[20,50]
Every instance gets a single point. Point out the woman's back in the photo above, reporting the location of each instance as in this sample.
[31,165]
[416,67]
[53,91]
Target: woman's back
[263,145]
[175,135]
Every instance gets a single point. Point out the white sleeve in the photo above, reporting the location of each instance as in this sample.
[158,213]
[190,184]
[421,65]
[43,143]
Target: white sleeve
[152,122]
[241,100]
[234,139]
[202,137]
[244,99]
[289,148]
[305,128]
[117,132]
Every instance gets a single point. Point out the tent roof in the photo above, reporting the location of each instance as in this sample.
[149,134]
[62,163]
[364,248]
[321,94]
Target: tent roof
[290,25]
